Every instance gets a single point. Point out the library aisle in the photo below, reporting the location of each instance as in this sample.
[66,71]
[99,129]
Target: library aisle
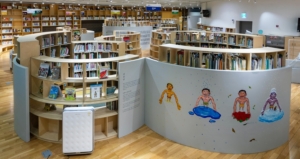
[143,143]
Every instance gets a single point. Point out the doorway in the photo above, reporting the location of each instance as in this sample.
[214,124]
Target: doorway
[242,26]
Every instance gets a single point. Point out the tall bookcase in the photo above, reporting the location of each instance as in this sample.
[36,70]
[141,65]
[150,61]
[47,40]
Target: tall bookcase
[131,39]
[47,125]
[223,59]
[158,38]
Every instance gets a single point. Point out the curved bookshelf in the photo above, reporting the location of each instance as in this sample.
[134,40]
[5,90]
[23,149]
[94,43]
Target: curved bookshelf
[223,59]
[131,39]
[157,39]
[58,51]
[208,39]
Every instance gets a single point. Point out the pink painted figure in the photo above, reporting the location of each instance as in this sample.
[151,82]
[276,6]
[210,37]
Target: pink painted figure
[271,101]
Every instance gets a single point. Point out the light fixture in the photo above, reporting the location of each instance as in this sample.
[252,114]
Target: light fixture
[254,1]
[20,1]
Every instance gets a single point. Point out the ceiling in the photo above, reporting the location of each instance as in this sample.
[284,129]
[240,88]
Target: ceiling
[164,3]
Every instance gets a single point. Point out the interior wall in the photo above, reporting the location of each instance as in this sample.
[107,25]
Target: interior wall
[265,14]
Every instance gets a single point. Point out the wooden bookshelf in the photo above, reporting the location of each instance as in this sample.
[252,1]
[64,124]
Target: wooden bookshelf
[36,49]
[158,38]
[215,28]
[216,39]
[131,39]
[223,59]
[14,20]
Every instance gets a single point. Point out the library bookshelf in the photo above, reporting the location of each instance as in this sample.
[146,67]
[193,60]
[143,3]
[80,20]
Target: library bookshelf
[158,38]
[216,39]
[223,59]
[92,56]
[16,21]
[131,39]
[128,23]
[215,28]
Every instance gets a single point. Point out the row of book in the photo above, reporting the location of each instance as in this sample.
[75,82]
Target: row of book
[90,47]
[93,55]
[242,42]
[213,46]
[213,61]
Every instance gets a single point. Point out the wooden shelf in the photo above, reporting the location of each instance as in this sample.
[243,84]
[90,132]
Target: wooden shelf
[225,50]
[104,112]
[59,60]
[39,111]
[39,97]
[222,59]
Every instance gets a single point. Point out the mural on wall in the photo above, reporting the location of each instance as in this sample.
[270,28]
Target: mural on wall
[240,114]
[203,110]
[274,113]
[169,91]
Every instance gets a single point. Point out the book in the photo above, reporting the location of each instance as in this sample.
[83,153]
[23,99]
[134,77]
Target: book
[95,91]
[103,72]
[70,93]
[56,73]
[54,92]
[110,90]
[44,70]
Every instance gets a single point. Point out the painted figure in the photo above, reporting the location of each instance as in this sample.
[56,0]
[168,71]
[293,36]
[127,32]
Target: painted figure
[271,101]
[242,100]
[206,98]
[169,91]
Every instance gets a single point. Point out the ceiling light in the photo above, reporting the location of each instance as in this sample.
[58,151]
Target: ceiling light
[43,3]
[62,3]
[20,1]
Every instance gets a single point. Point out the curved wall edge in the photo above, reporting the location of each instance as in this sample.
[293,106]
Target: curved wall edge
[21,101]
[229,129]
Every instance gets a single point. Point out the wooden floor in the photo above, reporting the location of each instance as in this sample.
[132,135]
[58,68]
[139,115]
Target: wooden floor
[142,144]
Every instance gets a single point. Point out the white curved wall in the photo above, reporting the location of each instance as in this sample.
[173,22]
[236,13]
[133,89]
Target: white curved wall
[226,134]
